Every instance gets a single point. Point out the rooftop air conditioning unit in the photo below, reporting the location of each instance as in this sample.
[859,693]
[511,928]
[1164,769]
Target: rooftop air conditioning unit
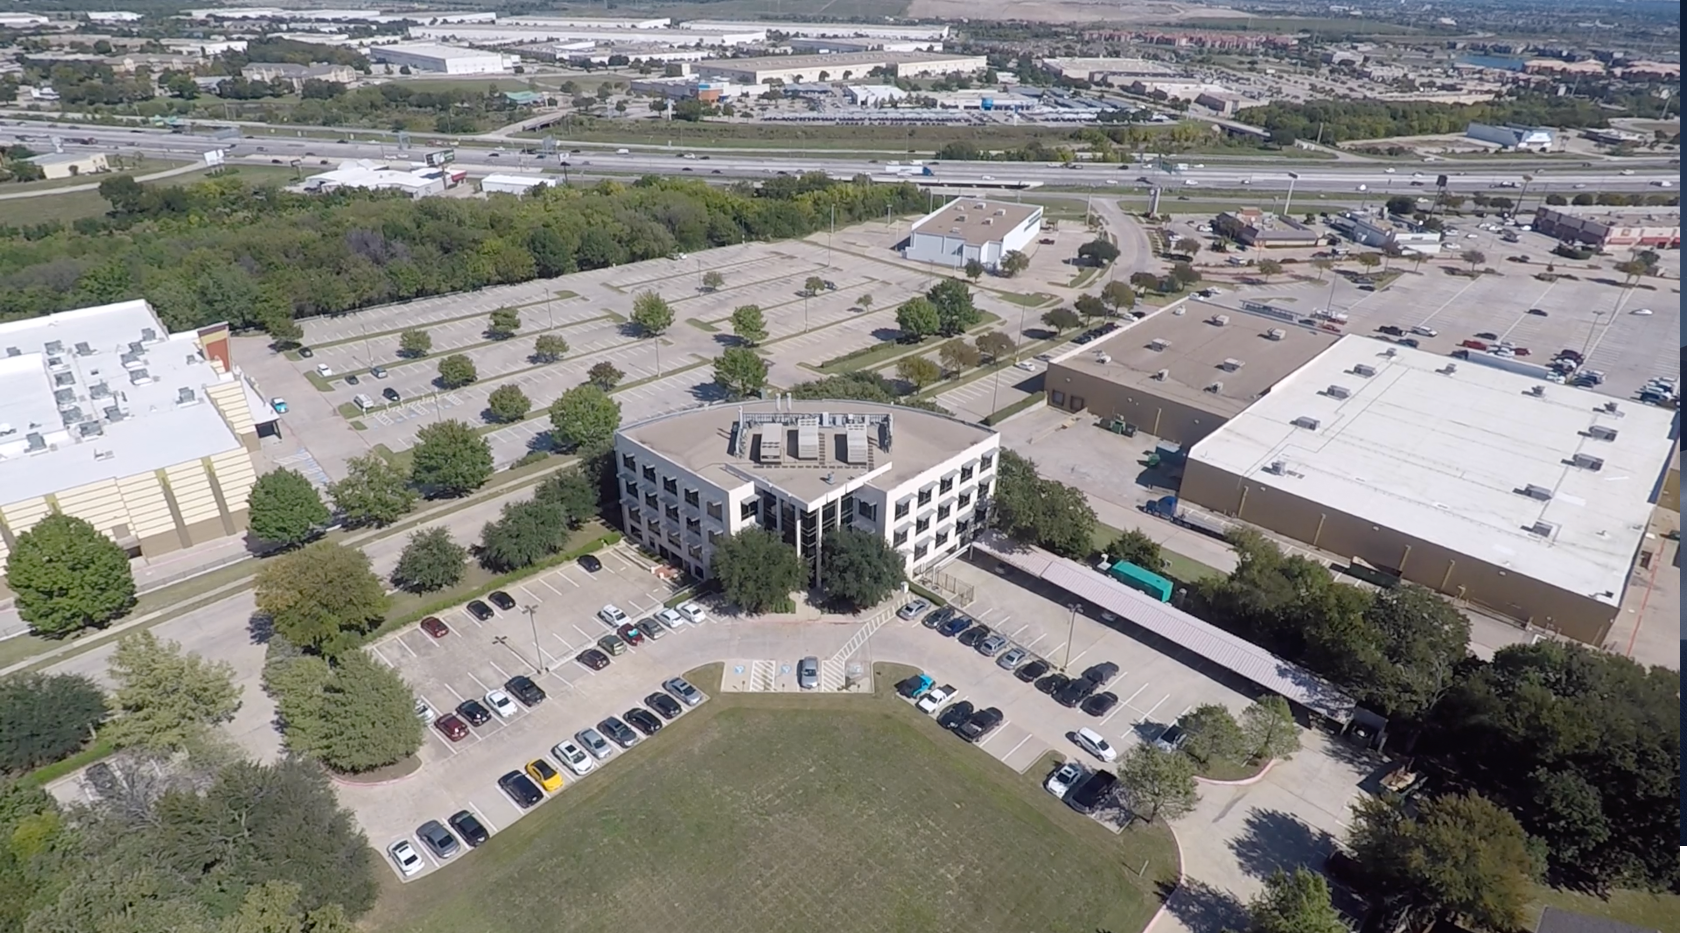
[1231,365]
[1309,423]
[1542,529]
[1275,333]
[1161,375]
[1219,320]
[1159,343]
[1362,369]
[1448,369]
[1611,408]
[1103,358]
[1390,352]
[1276,468]
[1601,432]
[1001,212]
[1338,392]
[1216,387]
[1537,391]
[979,205]
[989,221]
[1587,461]
[1537,492]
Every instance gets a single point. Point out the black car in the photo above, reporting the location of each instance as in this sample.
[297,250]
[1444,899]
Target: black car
[476,714]
[1408,342]
[1075,692]
[618,732]
[481,611]
[468,828]
[502,600]
[1030,672]
[306,352]
[955,715]
[521,789]
[934,619]
[1391,330]
[390,394]
[351,379]
[643,720]
[1101,674]
[954,626]
[525,690]
[982,723]
[1486,335]
[593,658]
[1093,792]
[589,564]
[1537,312]
[972,636]
[1101,704]
[664,704]
[1053,683]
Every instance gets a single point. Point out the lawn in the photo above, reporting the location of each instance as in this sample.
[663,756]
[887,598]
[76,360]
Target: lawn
[1640,908]
[774,812]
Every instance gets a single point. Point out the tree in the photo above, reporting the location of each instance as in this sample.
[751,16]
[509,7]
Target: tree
[574,491]
[1040,511]
[1270,730]
[858,569]
[918,371]
[1368,260]
[652,314]
[1119,296]
[741,371]
[1401,205]
[1089,308]
[1473,258]
[974,269]
[749,324]
[917,318]
[415,343]
[508,403]
[955,310]
[1294,903]
[322,597]
[865,301]
[1212,734]
[994,345]
[67,576]
[430,561]
[456,371]
[503,323]
[374,492]
[1062,319]
[604,376]
[1460,858]
[1269,267]
[1632,269]
[284,508]
[1013,262]
[1099,251]
[1157,783]
[713,280]
[48,717]
[958,355]
[450,459]
[284,329]
[758,572]
[1188,246]
[813,285]
[1144,280]
[165,697]
[548,348]
[1137,548]
[584,418]
[354,715]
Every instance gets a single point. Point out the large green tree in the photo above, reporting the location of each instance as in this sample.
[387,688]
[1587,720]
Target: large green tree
[548,348]
[67,576]
[858,569]
[166,697]
[450,459]
[524,534]
[749,324]
[503,323]
[323,597]
[507,403]
[430,561]
[285,509]
[652,314]
[758,572]
[1213,735]
[1269,730]
[584,418]
[46,717]
[955,310]
[1157,784]
[415,343]
[374,492]
[917,318]
[741,371]
[457,371]
[574,491]
[1040,511]
[1297,902]
[1136,547]
[353,715]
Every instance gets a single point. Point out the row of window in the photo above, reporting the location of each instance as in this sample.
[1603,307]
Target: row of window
[944,486]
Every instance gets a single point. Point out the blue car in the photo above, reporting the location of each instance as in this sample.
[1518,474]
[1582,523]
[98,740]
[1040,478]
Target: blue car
[954,626]
[916,686]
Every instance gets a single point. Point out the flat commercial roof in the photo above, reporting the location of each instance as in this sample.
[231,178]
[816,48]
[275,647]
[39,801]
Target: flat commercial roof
[832,62]
[1467,457]
[976,221]
[699,440]
[64,158]
[432,50]
[1194,353]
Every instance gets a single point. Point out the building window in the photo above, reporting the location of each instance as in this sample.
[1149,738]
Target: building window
[961,527]
[650,473]
[867,510]
[966,473]
[900,538]
[942,512]
[947,484]
[921,525]
[942,538]
[713,510]
[672,512]
[631,486]
[925,498]
[1057,397]
[902,509]
[696,551]
[691,498]
[650,499]
[630,462]
[694,525]
[670,486]
[653,524]
[747,509]
[964,501]
[984,462]
[635,515]
[921,550]
[714,538]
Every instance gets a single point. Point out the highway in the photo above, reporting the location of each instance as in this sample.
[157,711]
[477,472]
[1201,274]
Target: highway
[600,160]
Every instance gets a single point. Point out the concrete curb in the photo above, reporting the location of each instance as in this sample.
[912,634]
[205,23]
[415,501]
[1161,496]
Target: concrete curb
[1167,903]
[397,780]
[1243,782]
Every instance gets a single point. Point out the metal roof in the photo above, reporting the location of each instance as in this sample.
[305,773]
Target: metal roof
[1229,651]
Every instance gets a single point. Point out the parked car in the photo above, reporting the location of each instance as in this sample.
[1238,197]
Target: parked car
[956,715]
[1485,335]
[1012,658]
[1076,691]
[404,855]
[1391,330]
[670,618]
[279,404]
[452,727]
[547,777]
[618,732]
[504,601]
[468,828]
[1102,674]
[425,713]
[324,370]
[643,720]
[1101,704]
[1095,790]
[652,628]
[593,659]
[1092,741]
[1052,683]
[351,380]
[694,613]
[982,723]
[481,611]
[390,394]
[524,689]
[665,706]
[589,564]
[474,712]
[521,789]
[808,673]
[972,636]
[304,352]
[913,610]
[992,645]
[433,626]
[935,697]
[630,634]
[438,839]
[612,646]
[573,757]
[1424,331]
[954,626]
[500,703]
[1065,778]
[594,743]
[1538,312]
[1171,740]
[915,686]
[379,372]
[612,616]
[1030,672]
[683,691]
[937,618]
[1474,345]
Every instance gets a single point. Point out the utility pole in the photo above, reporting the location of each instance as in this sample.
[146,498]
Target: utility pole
[1289,199]
[538,655]
[1071,629]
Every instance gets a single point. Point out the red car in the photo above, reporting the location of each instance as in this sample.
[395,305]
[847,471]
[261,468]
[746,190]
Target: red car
[451,727]
[434,627]
[630,634]
[1474,344]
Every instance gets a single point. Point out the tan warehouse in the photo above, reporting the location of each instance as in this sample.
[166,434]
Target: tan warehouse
[1506,492]
[1180,376]
[801,69]
[107,417]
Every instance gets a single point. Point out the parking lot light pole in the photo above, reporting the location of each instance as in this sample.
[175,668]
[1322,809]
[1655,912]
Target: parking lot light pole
[1071,629]
[1290,197]
[538,655]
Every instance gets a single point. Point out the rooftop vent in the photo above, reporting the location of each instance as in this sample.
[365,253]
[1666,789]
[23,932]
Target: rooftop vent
[140,377]
[1162,374]
[148,334]
[13,351]
[1542,529]
[185,396]
[57,364]
[113,413]
[1159,343]
[90,429]
[1363,369]
[1276,467]
[83,349]
[64,379]
[1216,387]
[1537,492]
[54,347]
[1448,369]
[1276,333]
[1601,432]
[64,396]
[137,347]
[1536,391]
[1338,392]
[99,390]
[960,218]
[36,442]
[1231,364]
[1587,461]
[70,415]
[1391,353]
[1219,320]
[1610,408]
[1311,424]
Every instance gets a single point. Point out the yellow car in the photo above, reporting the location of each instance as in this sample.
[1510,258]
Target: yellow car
[544,775]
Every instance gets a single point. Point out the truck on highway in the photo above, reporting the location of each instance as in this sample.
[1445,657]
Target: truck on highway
[909,171]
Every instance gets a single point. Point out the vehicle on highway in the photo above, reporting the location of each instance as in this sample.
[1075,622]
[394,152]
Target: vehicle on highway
[433,626]
[468,828]
[452,727]
[544,775]
[524,689]
[808,673]
[1095,790]
[694,613]
[279,404]
[935,697]
[665,706]
[612,616]
[643,720]
[1012,658]
[521,789]
[593,659]
[619,732]
[1101,704]
[652,628]
[630,634]
[474,712]
[913,610]
[500,703]
[683,691]
[504,601]
[982,723]
[956,715]
[1065,778]
[1030,672]
[404,855]
[573,757]
[594,743]
[438,839]
[589,564]
[481,611]
[1091,741]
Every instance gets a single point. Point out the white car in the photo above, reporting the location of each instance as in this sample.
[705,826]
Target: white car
[1626,171]
[934,698]
[1642,312]
[1423,331]
[324,370]
[404,855]
[611,615]
[425,713]
[671,618]
[694,613]
[573,758]
[1388,171]
[1091,741]
[1026,365]
[501,704]
[1067,777]
[986,178]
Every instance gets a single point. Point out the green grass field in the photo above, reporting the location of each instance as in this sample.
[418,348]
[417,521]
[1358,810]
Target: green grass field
[761,813]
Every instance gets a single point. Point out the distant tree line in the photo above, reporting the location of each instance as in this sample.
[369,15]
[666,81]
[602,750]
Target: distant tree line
[1336,121]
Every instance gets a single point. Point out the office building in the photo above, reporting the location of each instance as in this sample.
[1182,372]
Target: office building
[968,228]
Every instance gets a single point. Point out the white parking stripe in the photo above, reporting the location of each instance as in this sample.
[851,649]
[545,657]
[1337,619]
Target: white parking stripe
[501,672]
[552,588]
[529,594]
[584,633]
[1156,706]
[477,680]
[1132,698]
[459,696]
[406,646]
[1017,747]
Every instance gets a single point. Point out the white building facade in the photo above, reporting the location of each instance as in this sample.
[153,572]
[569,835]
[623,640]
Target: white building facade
[966,229]
[444,59]
[1371,231]
[1535,138]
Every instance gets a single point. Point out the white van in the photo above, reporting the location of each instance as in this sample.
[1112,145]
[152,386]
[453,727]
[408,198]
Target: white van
[1423,331]
[364,402]
[1091,741]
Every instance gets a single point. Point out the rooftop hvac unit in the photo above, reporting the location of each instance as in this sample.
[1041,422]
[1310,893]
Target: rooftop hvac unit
[1587,461]
[1338,392]
[1219,320]
[980,205]
[1602,433]
[1537,391]
[83,349]
[1276,467]
[1390,352]
[1001,212]
[1159,343]
[1448,369]
[54,347]
[1611,409]
[1230,365]
[1103,358]
[1216,388]
[1542,529]
[1362,369]
[960,218]
[1161,375]
[1309,423]
[1537,492]
[1275,333]
[148,334]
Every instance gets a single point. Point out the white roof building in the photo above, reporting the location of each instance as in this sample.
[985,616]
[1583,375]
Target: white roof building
[368,173]
[514,184]
[443,59]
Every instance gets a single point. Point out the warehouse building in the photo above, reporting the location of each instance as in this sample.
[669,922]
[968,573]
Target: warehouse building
[968,228]
[106,416]
[377,176]
[443,59]
[70,164]
[512,35]
[918,479]
[1603,228]
[828,30]
[1509,136]
[514,184]
[820,45]
[1179,374]
[800,69]
[1527,499]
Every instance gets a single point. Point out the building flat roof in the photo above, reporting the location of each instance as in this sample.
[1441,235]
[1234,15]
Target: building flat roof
[63,158]
[1194,353]
[1442,451]
[831,62]
[433,49]
[976,221]
[699,439]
